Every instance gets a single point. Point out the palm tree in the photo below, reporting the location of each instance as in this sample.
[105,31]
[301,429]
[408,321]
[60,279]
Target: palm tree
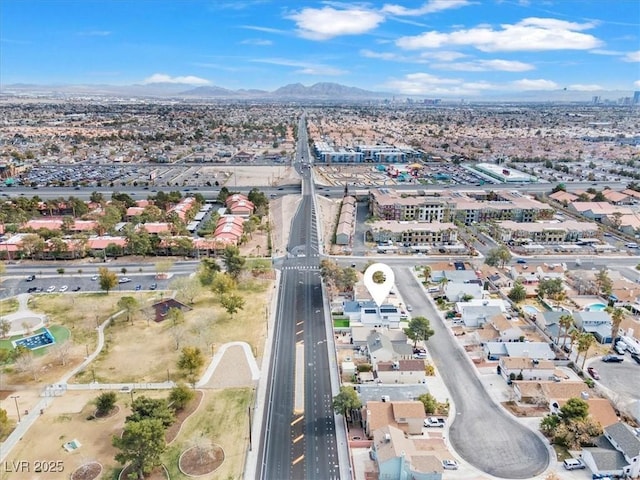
[585,341]
[617,315]
[564,323]
[426,271]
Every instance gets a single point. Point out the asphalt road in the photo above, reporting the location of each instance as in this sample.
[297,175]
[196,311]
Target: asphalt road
[623,379]
[481,432]
[300,445]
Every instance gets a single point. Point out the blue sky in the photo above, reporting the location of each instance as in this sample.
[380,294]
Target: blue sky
[435,47]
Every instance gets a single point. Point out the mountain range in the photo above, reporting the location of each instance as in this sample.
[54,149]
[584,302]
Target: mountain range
[323,91]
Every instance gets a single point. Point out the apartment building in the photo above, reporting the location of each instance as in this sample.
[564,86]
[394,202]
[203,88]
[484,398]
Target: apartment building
[390,204]
[413,233]
[544,232]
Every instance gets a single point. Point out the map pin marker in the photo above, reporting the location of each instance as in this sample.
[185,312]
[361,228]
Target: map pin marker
[379,280]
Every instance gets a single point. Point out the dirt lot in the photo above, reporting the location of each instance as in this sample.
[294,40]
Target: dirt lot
[282,210]
[254,176]
[328,215]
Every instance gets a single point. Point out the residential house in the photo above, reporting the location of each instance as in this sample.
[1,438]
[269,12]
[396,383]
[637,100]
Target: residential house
[368,313]
[534,350]
[398,457]
[238,204]
[458,292]
[407,416]
[477,315]
[547,392]
[381,349]
[526,368]
[597,323]
[400,371]
[359,335]
[505,329]
[618,456]
[600,409]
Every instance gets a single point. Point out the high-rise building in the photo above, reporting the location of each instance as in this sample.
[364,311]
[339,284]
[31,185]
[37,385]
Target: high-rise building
[636,98]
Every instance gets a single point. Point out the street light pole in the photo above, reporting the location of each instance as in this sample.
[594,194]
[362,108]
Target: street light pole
[15,399]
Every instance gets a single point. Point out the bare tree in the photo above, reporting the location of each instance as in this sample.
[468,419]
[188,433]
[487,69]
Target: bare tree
[187,288]
[25,363]
[178,333]
[61,352]
[202,446]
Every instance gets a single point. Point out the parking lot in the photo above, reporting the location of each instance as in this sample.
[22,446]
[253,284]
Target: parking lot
[623,379]
[81,284]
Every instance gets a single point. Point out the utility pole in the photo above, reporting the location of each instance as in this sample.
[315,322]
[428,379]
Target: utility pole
[15,399]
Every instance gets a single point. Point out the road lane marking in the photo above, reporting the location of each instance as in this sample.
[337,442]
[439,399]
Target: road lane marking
[297,439]
[297,420]
[297,460]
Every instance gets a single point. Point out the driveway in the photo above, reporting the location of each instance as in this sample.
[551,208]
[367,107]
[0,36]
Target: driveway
[482,433]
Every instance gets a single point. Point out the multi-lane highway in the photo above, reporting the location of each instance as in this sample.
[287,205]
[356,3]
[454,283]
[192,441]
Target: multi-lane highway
[299,438]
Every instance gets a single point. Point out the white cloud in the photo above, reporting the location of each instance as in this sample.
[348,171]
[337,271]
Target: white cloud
[426,8]
[585,88]
[486,65]
[636,84]
[602,51]
[539,84]
[261,42]
[328,22]
[427,84]
[164,78]
[306,68]
[423,57]
[530,34]
[632,56]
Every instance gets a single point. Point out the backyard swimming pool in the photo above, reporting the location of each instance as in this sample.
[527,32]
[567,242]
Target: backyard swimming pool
[531,310]
[595,307]
[33,342]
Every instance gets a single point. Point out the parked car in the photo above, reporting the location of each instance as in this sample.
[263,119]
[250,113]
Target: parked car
[64,288]
[521,260]
[635,357]
[31,278]
[409,308]
[449,464]
[434,422]
[594,373]
[153,286]
[51,289]
[573,464]
[138,287]
[124,280]
[31,289]
[94,278]
[76,289]
[612,359]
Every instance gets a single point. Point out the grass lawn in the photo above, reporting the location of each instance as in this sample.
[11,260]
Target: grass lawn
[60,334]
[561,452]
[222,419]
[341,322]
[8,306]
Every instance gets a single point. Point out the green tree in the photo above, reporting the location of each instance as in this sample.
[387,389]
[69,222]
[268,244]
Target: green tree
[5,327]
[565,322]
[347,278]
[550,288]
[430,403]
[419,329]
[180,396]
[191,360]
[577,433]
[108,279]
[151,408]
[142,444]
[346,400]
[426,271]
[105,402]
[5,424]
[549,424]
[518,293]
[129,305]
[222,284]
[209,267]
[603,281]
[575,408]
[498,256]
[232,303]
[585,341]
[233,261]
[176,316]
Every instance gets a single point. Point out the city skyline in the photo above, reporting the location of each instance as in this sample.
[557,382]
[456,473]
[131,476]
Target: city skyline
[434,48]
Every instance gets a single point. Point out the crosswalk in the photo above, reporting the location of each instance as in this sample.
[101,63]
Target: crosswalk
[301,267]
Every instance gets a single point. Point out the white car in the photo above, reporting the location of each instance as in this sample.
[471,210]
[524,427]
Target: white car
[124,280]
[64,288]
[94,278]
[449,464]
[51,289]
